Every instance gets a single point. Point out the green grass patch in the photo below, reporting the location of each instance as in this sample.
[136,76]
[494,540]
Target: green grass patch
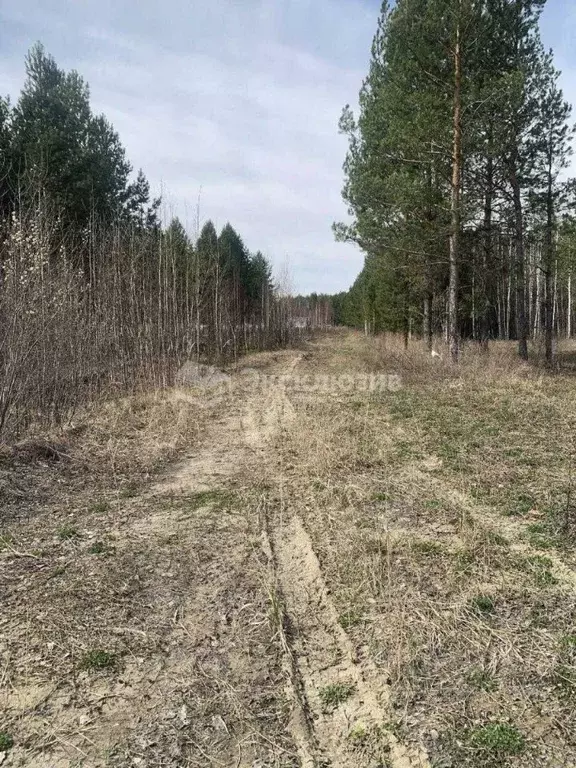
[564,674]
[568,642]
[99,507]
[498,739]
[334,694]
[519,505]
[539,567]
[537,528]
[405,449]
[129,491]
[68,532]
[564,677]
[98,659]
[427,547]
[60,570]
[5,541]
[394,727]
[350,619]
[403,404]
[544,577]
[6,741]
[538,541]
[358,735]
[495,539]
[481,679]
[539,561]
[482,605]
[99,548]
[465,560]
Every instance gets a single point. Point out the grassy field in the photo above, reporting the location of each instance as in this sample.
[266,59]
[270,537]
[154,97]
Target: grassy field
[269,574]
[444,518]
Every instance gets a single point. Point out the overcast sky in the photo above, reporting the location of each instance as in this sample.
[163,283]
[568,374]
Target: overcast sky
[240,98]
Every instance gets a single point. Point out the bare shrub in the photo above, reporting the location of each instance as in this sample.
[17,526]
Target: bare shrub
[111,310]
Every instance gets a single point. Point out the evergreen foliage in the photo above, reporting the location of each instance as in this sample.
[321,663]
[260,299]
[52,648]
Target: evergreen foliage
[95,294]
[453,174]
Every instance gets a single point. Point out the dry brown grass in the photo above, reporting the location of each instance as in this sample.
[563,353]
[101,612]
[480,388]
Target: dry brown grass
[110,449]
[138,626]
[154,647]
[135,620]
[442,515]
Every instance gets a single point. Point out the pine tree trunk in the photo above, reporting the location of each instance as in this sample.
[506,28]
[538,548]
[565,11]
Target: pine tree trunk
[549,293]
[508,299]
[569,307]
[548,318]
[453,339]
[521,324]
[487,249]
[555,304]
[530,288]
[427,326]
[473,308]
[537,303]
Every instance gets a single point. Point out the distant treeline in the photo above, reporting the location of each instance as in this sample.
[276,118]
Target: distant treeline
[316,310]
[455,177]
[96,295]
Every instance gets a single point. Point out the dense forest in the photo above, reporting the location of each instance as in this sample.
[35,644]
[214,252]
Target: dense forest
[456,181]
[96,294]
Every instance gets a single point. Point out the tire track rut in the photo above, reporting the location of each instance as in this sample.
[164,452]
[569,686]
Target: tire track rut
[320,660]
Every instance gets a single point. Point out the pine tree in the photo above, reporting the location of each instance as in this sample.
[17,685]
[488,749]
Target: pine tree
[260,285]
[7,192]
[451,194]
[551,148]
[60,147]
[405,153]
[138,208]
[234,268]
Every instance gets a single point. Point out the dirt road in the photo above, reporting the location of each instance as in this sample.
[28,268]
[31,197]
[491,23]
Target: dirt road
[326,576]
[204,634]
[317,657]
